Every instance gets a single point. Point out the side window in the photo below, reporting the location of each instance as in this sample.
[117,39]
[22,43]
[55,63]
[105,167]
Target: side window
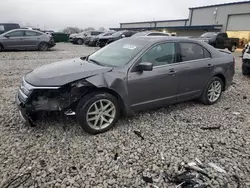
[222,35]
[206,53]
[16,34]
[127,34]
[2,28]
[32,33]
[161,54]
[192,51]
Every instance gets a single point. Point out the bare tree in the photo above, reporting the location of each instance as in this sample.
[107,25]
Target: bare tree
[89,29]
[71,30]
[102,29]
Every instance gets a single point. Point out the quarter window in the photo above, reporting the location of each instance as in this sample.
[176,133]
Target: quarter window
[192,51]
[161,54]
[16,34]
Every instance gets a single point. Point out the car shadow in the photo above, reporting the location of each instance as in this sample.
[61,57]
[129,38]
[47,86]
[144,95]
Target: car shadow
[69,123]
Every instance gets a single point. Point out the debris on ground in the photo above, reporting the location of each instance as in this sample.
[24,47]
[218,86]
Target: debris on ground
[147,179]
[211,128]
[236,113]
[219,169]
[139,134]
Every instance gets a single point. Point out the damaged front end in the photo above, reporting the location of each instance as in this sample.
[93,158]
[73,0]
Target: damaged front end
[32,100]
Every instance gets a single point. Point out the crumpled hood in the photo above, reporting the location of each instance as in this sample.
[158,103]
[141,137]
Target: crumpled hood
[63,72]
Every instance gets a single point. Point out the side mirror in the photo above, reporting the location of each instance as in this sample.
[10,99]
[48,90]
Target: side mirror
[7,36]
[123,36]
[145,66]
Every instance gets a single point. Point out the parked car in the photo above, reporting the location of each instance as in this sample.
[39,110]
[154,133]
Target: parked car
[246,60]
[151,33]
[103,41]
[128,75]
[81,37]
[4,27]
[93,40]
[220,40]
[25,39]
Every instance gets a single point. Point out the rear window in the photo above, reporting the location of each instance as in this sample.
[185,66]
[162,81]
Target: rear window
[32,33]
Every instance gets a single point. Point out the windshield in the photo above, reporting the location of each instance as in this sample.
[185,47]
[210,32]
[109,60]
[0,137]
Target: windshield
[118,53]
[117,34]
[208,35]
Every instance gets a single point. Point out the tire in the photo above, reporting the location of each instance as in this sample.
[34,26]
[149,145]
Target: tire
[1,47]
[232,48]
[88,116]
[43,46]
[79,41]
[245,71]
[205,98]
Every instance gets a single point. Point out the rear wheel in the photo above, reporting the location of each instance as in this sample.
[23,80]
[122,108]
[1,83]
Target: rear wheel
[43,46]
[97,112]
[212,91]
[233,48]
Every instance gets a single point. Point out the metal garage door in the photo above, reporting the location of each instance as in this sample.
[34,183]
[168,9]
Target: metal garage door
[239,22]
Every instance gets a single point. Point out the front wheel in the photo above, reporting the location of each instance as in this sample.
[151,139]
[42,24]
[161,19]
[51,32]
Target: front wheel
[97,112]
[232,48]
[212,91]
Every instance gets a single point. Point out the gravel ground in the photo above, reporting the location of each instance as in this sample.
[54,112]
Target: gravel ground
[58,153]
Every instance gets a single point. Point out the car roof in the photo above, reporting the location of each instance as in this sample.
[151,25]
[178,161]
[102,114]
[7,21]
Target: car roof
[26,30]
[155,39]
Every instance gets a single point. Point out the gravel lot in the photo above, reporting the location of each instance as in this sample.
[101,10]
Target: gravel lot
[58,153]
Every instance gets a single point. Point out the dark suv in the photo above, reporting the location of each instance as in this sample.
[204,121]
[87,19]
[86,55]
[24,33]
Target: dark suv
[103,41]
[4,27]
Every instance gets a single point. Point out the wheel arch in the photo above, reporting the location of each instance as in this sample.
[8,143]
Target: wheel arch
[115,94]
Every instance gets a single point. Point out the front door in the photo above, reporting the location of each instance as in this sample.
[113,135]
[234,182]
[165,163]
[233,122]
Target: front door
[13,40]
[149,89]
[195,70]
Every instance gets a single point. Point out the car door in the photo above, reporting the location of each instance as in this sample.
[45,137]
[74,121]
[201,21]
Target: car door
[195,70]
[13,40]
[149,89]
[31,39]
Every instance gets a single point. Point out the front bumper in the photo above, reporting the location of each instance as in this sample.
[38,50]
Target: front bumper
[246,63]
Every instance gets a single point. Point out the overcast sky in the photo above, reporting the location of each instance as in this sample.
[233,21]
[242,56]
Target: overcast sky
[57,14]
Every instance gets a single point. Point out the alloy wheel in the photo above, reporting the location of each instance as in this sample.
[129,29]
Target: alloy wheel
[214,91]
[101,114]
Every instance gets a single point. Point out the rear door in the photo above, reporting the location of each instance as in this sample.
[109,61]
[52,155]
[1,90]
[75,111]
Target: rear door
[13,40]
[196,66]
[31,39]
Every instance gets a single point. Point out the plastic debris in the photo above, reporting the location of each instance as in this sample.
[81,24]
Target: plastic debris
[219,169]
[139,134]
[147,179]
[211,128]
[236,113]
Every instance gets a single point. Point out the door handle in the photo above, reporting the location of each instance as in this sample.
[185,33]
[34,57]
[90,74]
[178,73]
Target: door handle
[171,72]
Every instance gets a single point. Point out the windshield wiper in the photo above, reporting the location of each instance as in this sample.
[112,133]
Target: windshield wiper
[96,62]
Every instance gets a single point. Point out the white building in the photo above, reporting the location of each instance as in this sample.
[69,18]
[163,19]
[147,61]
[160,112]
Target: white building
[233,18]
